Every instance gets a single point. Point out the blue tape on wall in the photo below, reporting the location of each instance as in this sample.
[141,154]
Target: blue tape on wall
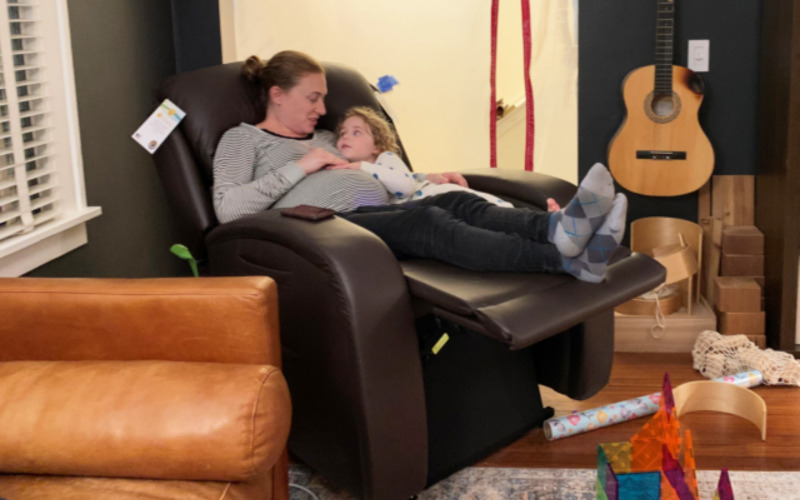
[386,82]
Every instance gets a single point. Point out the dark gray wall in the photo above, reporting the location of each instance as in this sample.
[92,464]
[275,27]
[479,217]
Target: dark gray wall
[195,24]
[122,50]
[617,36]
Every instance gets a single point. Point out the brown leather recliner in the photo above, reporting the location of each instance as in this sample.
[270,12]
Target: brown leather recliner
[375,410]
[154,388]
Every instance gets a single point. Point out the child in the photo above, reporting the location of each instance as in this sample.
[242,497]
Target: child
[367,140]
[584,234]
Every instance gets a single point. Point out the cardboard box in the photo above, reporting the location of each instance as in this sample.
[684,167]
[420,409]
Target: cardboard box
[758,279]
[737,294]
[742,265]
[742,240]
[635,334]
[745,323]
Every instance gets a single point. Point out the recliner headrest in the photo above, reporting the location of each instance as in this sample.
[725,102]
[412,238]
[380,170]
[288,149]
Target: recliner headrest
[218,98]
[214,99]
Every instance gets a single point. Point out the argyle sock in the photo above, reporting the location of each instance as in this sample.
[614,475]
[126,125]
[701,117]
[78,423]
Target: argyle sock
[571,227]
[592,263]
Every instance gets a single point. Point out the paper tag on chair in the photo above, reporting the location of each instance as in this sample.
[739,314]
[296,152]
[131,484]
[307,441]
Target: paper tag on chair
[158,126]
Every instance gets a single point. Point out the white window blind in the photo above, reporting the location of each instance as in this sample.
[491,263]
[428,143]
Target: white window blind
[29,194]
[41,178]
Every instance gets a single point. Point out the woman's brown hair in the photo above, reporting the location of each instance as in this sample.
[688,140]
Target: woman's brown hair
[283,69]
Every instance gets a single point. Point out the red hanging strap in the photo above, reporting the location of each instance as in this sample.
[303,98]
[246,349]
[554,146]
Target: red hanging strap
[529,116]
[529,119]
[493,85]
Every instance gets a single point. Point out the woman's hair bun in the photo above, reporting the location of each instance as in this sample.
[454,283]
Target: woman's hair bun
[252,68]
[283,70]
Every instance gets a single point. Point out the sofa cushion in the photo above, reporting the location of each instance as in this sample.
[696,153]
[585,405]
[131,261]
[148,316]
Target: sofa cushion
[142,419]
[30,487]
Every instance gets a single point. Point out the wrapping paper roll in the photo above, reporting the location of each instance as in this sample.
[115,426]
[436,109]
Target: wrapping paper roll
[585,421]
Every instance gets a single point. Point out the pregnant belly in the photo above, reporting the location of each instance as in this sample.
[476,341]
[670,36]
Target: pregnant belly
[340,190]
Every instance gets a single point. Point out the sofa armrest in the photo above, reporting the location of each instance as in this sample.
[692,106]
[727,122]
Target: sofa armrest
[229,320]
[142,419]
[349,345]
[520,187]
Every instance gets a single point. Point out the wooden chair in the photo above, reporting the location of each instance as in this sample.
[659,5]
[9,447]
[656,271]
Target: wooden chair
[677,244]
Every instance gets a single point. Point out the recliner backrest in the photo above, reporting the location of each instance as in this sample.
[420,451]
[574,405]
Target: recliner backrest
[214,100]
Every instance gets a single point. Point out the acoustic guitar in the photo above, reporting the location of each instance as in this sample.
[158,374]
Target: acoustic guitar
[660,148]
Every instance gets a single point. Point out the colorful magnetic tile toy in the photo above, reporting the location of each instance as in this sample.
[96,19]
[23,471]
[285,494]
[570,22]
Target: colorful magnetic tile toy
[647,467]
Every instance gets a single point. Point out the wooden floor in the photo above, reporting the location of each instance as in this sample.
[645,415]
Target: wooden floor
[720,440]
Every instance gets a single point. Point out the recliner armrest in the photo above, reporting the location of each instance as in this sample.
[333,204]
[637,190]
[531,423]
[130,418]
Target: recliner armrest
[323,243]
[520,187]
[352,354]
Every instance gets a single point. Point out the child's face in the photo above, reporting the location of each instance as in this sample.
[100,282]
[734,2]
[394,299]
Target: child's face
[355,141]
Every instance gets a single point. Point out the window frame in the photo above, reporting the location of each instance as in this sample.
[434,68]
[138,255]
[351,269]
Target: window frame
[22,253]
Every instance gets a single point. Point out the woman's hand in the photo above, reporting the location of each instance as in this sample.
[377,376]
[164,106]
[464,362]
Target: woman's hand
[318,158]
[552,205]
[447,178]
[356,165]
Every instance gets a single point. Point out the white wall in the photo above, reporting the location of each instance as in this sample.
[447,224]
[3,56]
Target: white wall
[440,54]
[554,74]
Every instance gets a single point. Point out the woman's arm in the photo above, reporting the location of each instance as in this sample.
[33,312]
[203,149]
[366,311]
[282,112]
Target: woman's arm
[236,194]
[445,178]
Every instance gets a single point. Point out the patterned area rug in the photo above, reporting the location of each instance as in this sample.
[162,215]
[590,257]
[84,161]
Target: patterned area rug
[484,483]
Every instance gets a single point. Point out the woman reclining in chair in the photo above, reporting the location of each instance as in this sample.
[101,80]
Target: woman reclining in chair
[282,162]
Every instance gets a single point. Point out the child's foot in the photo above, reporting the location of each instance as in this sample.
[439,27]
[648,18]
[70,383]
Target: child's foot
[573,226]
[592,263]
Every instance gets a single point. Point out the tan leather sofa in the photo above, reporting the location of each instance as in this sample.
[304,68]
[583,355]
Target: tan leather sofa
[153,388]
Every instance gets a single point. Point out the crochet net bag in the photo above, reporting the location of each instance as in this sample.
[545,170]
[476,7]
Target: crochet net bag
[716,355]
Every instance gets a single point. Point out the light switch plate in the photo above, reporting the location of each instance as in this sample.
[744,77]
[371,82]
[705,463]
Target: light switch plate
[698,55]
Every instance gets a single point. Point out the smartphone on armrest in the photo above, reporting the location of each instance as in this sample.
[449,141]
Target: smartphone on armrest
[308,212]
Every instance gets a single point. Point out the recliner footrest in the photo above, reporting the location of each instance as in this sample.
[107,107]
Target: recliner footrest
[523,309]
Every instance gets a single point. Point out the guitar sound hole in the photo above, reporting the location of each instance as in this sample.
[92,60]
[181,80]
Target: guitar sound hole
[663,105]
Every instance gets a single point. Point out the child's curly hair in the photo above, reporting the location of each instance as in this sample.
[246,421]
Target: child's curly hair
[379,127]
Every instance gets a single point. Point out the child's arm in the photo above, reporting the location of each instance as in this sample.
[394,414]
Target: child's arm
[393,174]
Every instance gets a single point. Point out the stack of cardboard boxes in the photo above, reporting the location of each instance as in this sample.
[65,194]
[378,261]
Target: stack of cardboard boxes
[738,289]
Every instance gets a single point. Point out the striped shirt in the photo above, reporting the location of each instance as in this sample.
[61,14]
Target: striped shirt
[255,170]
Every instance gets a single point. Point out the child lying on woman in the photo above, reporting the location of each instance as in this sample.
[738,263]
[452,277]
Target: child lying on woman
[456,227]
[367,140]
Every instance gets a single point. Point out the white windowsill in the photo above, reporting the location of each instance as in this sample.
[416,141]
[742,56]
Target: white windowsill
[23,253]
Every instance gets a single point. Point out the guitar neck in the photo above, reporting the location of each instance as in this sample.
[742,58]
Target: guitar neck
[665,33]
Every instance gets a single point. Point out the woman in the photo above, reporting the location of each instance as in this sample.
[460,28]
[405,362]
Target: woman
[281,162]
[279,153]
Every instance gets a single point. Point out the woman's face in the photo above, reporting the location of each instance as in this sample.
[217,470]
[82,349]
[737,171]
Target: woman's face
[299,108]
